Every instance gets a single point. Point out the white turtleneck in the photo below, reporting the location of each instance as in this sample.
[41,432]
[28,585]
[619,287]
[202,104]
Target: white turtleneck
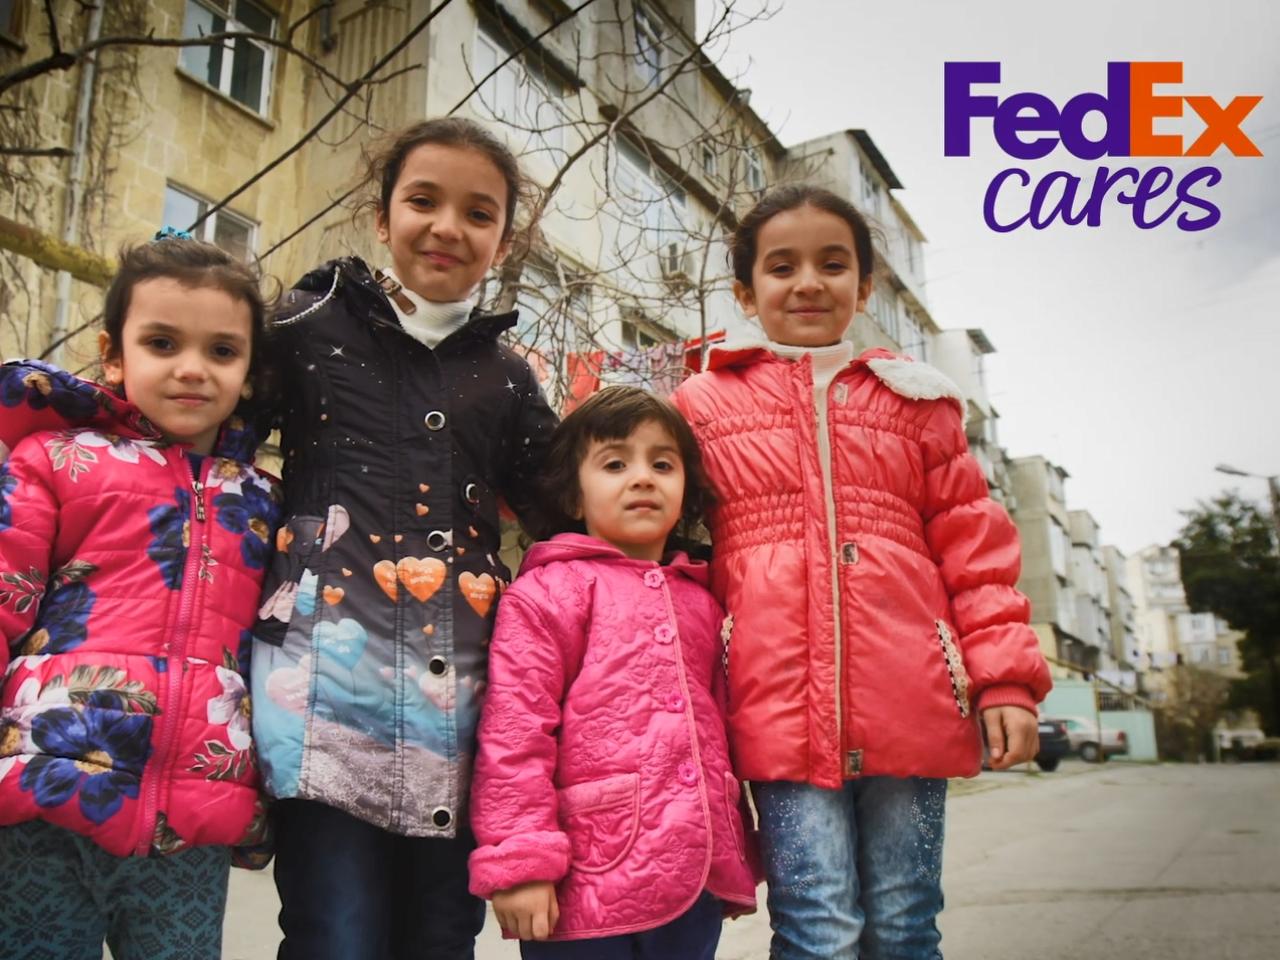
[430,322]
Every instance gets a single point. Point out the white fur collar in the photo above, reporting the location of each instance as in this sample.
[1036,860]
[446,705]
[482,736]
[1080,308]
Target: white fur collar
[916,381]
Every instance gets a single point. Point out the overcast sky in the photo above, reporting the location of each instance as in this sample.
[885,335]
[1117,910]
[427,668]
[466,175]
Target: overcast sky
[1135,359]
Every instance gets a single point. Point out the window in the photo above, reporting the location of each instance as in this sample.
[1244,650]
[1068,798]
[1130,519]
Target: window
[11,20]
[755,171]
[913,339]
[708,160]
[1058,549]
[543,303]
[648,46]
[1224,657]
[231,232]
[652,202]
[240,68]
[872,194]
[527,104]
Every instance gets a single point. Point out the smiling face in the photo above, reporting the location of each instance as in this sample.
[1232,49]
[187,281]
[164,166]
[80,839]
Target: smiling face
[444,222]
[804,282]
[632,490]
[183,358]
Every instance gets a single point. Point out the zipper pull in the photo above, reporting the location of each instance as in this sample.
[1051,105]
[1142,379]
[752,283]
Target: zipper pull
[198,487]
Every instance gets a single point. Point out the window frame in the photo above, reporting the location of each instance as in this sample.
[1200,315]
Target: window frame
[207,230]
[649,26]
[528,87]
[225,84]
[12,31]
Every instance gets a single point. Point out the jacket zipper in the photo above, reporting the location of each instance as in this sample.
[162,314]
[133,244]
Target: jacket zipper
[828,493]
[175,654]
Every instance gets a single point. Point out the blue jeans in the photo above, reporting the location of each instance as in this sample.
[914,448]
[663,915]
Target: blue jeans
[352,891]
[64,895]
[691,936]
[855,872]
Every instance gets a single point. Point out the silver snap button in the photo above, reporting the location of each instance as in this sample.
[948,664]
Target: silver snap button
[434,420]
[471,493]
[437,540]
[441,816]
[436,665]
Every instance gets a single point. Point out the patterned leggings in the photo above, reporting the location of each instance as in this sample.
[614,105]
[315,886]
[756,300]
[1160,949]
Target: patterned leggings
[64,896]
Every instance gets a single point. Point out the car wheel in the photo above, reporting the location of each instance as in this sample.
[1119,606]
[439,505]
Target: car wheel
[1048,764]
[1090,753]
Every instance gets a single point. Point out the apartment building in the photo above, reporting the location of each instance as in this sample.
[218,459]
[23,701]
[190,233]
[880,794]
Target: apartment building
[1125,652]
[648,149]
[1089,585]
[1043,525]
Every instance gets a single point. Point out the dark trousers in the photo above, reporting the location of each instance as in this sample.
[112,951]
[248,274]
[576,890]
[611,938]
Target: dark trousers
[691,936]
[352,891]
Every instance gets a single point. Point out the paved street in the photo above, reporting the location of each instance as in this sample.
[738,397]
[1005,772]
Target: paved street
[1132,862]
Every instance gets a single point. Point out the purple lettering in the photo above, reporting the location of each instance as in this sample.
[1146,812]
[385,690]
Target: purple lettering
[1010,121]
[960,106]
[989,202]
[1210,176]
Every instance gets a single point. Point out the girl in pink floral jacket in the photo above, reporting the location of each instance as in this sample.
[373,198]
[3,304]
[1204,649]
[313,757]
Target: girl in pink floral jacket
[133,540]
[607,816]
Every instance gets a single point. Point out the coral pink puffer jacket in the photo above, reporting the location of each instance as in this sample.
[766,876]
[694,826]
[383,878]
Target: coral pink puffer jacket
[868,629]
[602,764]
[127,588]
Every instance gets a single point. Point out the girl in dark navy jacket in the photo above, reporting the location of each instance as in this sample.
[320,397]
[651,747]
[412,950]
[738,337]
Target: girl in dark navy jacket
[405,422]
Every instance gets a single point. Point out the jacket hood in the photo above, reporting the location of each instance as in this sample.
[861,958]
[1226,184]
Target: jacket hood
[579,546]
[37,396]
[323,282]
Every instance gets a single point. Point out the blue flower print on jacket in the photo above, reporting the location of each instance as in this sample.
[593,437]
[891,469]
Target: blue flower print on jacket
[172,529]
[97,753]
[250,513]
[41,385]
[8,483]
[62,622]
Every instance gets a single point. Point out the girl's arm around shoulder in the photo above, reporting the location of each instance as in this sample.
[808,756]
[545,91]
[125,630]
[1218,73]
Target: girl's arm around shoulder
[527,445]
[533,659]
[28,526]
[975,544]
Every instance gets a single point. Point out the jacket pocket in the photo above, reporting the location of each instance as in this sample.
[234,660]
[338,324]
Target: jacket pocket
[737,823]
[602,819]
[955,667]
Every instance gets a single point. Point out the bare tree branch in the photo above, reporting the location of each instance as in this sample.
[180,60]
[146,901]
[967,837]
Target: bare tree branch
[56,152]
[333,111]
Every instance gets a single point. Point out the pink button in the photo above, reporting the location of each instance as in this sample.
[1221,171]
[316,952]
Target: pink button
[663,633]
[653,578]
[675,703]
[688,774]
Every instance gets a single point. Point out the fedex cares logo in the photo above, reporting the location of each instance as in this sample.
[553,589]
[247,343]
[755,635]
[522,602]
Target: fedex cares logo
[1029,126]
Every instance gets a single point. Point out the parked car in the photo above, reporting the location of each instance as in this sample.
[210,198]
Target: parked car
[1054,743]
[1093,746]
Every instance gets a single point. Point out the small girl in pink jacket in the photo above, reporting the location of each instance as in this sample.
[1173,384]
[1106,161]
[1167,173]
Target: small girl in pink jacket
[608,819]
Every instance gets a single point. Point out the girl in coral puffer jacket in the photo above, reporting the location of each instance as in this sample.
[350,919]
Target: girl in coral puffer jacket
[134,535]
[870,583]
[608,818]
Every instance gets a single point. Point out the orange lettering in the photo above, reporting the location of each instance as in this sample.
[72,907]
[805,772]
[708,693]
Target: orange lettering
[1145,106]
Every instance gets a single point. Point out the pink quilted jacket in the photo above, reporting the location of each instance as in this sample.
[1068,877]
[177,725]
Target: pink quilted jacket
[871,622]
[602,764]
[127,587]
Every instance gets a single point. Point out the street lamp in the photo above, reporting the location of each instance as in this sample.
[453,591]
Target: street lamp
[1273,487]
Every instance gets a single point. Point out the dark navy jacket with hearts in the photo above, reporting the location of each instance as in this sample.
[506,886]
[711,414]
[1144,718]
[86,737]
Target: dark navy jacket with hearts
[371,647]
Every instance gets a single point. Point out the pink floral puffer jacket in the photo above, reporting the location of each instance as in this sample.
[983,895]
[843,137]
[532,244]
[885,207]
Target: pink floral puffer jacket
[127,588]
[603,764]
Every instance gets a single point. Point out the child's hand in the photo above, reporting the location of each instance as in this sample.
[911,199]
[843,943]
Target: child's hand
[1013,736]
[529,911]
